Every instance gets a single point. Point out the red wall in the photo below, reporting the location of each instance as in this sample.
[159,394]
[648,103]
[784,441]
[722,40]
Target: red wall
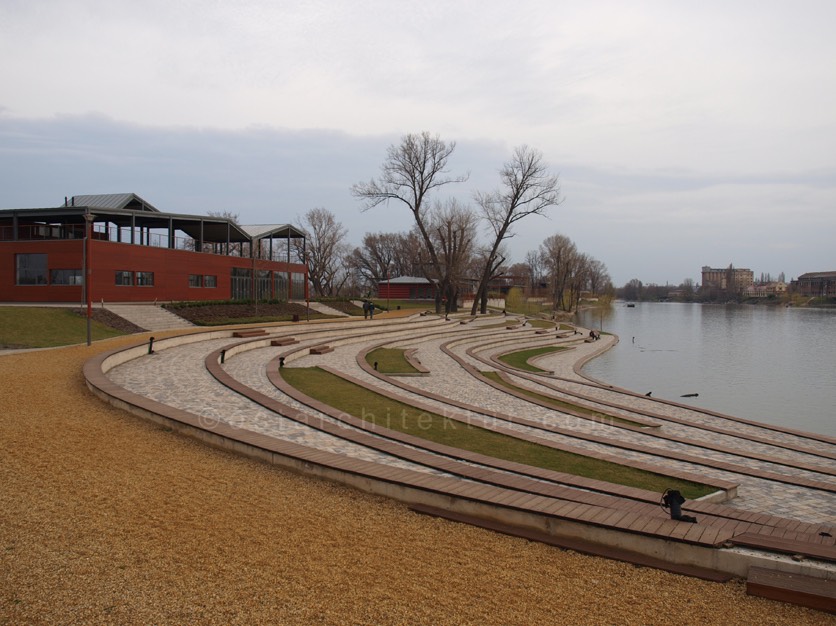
[404,291]
[171,270]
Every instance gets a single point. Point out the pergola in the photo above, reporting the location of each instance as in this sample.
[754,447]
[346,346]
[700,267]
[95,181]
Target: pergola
[134,220]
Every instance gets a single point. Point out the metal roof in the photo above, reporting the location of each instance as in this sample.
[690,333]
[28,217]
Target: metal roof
[408,280]
[113,201]
[260,231]
[128,209]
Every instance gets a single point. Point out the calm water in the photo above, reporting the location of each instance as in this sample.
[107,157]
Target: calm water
[771,364]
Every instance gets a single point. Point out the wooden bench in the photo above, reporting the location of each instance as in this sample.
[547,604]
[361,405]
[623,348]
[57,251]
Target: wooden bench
[256,332]
[284,341]
[777,543]
[321,350]
[814,593]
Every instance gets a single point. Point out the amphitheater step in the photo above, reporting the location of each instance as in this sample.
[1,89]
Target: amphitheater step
[814,593]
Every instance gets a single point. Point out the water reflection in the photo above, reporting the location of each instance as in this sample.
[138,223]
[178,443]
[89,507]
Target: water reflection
[771,364]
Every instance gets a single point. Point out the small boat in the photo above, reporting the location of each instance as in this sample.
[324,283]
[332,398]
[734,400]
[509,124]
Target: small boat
[630,305]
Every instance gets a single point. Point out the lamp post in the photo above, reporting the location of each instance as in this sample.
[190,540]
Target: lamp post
[388,288]
[88,269]
[307,289]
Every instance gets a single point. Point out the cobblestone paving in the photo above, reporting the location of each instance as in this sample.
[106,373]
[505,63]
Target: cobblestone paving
[177,377]
[447,379]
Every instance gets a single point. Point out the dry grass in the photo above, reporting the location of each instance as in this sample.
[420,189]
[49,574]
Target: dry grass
[107,519]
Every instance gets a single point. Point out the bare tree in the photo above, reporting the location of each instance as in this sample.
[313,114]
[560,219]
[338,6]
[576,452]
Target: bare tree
[535,261]
[385,255]
[599,277]
[527,189]
[325,251]
[452,229]
[412,170]
[559,252]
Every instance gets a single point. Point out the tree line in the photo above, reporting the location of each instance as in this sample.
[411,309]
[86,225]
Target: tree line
[443,244]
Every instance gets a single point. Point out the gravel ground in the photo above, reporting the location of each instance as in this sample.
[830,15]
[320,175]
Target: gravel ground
[105,518]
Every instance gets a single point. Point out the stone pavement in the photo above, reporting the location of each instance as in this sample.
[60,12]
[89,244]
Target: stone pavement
[178,377]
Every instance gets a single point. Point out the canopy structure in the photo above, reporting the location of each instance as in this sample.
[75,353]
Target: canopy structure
[128,218]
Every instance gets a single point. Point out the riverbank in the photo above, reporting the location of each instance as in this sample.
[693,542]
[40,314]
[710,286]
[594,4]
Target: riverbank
[105,518]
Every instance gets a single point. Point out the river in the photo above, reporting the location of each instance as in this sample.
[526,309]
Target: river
[767,363]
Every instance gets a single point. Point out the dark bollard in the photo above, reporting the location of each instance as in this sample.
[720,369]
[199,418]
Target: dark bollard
[150,345]
[281,362]
[223,356]
[674,500]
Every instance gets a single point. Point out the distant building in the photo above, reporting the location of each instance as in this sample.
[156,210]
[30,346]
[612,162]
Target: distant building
[732,279]
[406,288]
[816,284]
[766,290]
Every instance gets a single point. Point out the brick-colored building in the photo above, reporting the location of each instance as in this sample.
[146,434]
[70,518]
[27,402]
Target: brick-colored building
[132,252]
[733,279]
[816,285]
[406,288]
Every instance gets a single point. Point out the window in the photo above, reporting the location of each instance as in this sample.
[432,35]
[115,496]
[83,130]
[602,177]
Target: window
[280,286]
[31,269]
[66,277]
[210,281]
[241,283]
[297,286]
[195,280]
[145,279]
[124,278]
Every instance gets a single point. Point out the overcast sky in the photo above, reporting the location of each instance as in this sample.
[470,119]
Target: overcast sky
[685,133]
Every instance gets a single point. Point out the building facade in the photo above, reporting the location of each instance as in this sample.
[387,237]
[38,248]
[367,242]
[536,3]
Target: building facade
[119,248]
[406,288]
[816,285]
[731,279]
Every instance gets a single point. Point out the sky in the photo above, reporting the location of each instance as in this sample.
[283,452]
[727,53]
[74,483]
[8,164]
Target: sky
[684,133]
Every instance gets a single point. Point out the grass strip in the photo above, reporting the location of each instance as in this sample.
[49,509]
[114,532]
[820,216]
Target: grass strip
[390,361]
[541,324]
[559,404]
[46,327]
[380,410]
[520,359]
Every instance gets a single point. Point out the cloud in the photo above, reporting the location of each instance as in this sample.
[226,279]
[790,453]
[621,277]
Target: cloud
[680,131]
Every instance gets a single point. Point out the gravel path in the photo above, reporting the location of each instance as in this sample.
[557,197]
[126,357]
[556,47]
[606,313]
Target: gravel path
[107,519]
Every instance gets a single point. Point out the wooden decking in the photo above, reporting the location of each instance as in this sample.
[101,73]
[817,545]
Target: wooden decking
[485,484]
[814,593]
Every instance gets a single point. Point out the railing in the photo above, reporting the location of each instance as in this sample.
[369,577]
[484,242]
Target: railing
[43,232]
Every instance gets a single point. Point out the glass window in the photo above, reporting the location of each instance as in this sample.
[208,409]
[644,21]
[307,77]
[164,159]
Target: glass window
[242,283]
[280,286]
[298,286]
[66,277]
[195,280]
[210,281]
[145,279]
[31,269]
[124,278]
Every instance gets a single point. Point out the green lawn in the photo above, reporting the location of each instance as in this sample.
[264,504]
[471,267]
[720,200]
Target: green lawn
[390,361]
[372,407]
[46,327]
[541,323]
[520,359]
